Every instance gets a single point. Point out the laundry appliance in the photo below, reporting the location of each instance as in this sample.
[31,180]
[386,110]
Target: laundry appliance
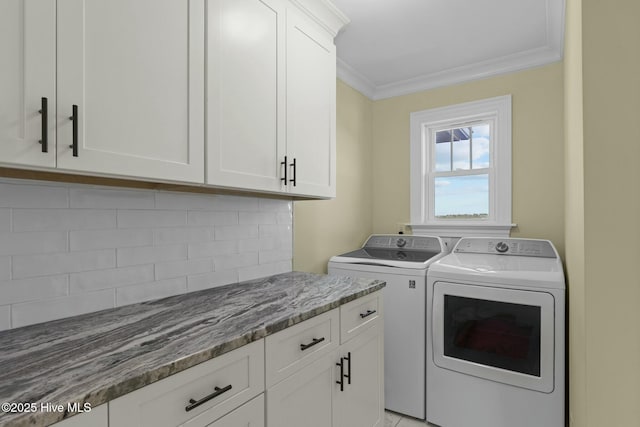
[496,335]
[402,261]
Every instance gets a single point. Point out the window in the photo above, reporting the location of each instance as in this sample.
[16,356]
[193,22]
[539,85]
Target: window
[461,169]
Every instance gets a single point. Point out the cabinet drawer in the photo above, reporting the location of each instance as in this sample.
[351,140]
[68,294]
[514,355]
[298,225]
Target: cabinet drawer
[238,375]
[251,414]
[293,348]
[359,314]
[96,418]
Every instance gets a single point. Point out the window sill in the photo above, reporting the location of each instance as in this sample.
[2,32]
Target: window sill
[457,230]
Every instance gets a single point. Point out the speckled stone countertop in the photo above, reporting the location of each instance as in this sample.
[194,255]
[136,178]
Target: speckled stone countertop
[97,357]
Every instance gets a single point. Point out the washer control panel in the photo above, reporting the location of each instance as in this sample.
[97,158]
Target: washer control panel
[401,241]
[519,247]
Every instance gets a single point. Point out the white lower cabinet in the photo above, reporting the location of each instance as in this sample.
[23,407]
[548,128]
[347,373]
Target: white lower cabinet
[197,396]
[98,417]
[342,387]
[251,414]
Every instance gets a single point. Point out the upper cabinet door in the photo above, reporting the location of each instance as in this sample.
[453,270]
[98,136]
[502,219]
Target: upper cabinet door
[135,71]
[311,106]
[245,106]
[28,52]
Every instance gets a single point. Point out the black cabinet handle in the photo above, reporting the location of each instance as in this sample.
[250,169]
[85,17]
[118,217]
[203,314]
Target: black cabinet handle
[367,314]
[44,111]
[348,359]
[285,170]
[195,403]
[341,381]
[294,172]
[315,341]
[74,119]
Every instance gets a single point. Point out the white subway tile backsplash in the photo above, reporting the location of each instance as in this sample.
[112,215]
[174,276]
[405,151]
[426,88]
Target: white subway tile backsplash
[151,218]
[110,278]
[14,291]
[59,263]
[32,196]
[258,218]
[5,317]
[268,257]
[209,249]
[168,270]
[210,280]
[227,262]
[113,238]
[100,198]
[56,308]
[263,270]
[236,232]
[5,268]
[182,235]
[209,218]
[32,243]
[63,219]
[5,219]
[151,254]
[152,290]
[269,230]
[68,249]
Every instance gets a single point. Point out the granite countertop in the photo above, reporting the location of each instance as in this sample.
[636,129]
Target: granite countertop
[97,357]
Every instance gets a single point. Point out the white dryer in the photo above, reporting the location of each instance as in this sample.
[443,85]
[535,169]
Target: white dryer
[496,335]
[402,261]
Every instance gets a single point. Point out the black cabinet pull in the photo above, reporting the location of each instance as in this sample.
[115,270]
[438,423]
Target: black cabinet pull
[74,119]
[367,314]
[348,359]
[44,111]
[341,381]
[285,170]
[294,172]
[315,341]
[195,403]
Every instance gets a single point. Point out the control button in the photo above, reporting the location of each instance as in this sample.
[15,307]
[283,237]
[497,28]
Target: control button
[401,242]
[502,247]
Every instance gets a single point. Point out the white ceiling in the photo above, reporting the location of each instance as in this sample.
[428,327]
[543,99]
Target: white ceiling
[395,47]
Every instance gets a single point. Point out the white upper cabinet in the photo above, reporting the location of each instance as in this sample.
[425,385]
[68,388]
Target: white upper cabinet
[311,107]
[28,80]
[135,72]
[245,138]
[271,82]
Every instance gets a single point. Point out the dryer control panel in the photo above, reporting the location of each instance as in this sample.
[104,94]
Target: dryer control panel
[518,247]
[403,241]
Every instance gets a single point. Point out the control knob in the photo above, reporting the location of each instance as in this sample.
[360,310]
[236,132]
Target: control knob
[502,247]
[401,242]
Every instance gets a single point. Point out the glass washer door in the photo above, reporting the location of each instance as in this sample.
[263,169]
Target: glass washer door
[499,334]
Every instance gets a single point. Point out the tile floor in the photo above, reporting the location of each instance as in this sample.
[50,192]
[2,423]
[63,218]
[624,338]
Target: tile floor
[391,419]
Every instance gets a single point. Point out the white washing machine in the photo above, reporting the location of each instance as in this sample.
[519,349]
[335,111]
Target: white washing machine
[402,262]
[496,335]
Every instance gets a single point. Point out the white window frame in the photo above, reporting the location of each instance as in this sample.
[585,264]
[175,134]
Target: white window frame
[497,112]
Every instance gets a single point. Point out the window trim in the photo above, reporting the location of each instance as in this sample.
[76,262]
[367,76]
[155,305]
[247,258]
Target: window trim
[422,191]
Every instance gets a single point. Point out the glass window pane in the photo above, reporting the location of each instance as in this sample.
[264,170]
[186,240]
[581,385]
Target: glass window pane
[461,149]
[480,150]
[462,197]
[443,151]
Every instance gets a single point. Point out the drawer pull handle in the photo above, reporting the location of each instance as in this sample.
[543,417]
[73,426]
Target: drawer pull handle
[341,381]
[315,341]
[286,166]
[367,314]
[195,403]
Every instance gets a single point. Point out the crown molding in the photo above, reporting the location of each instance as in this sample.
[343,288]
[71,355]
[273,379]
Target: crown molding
[550,52]
[324,13]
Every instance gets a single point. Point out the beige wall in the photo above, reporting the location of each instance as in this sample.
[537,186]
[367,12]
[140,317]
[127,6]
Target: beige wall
[330,227]
[611,322]
[574,214]
[538,149]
